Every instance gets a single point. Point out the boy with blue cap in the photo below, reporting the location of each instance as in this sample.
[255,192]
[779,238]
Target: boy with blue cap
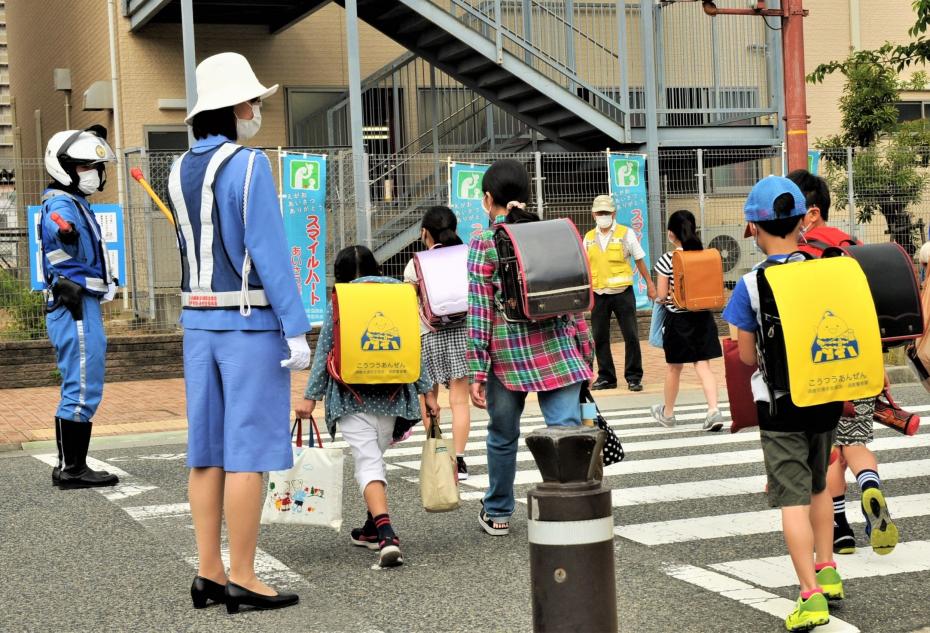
[796,441]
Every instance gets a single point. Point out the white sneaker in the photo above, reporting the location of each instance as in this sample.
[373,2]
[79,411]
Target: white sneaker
[658,412]
[713,422]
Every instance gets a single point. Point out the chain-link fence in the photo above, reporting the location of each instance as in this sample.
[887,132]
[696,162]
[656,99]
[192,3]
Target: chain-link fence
[886,190]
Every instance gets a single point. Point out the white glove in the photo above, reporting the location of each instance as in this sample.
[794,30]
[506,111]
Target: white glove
[300,353]
[110,294]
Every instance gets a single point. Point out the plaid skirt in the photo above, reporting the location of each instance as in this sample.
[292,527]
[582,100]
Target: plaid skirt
[444,354]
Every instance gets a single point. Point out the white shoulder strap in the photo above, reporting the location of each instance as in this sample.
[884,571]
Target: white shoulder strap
[245,306]
[219,158]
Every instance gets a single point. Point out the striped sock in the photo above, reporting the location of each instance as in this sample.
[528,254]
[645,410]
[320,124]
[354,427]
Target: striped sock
[383,523]
[839,512]
[868,479]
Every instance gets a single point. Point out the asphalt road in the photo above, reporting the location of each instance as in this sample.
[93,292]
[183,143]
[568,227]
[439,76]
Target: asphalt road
[94,561]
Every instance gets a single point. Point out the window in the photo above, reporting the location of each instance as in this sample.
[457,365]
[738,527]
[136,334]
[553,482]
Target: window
[912,110]
[166,138]
[307,124]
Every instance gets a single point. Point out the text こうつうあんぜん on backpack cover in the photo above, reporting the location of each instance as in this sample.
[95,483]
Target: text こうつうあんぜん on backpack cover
[544,270]
[818,337]
[442,280]
[376,334]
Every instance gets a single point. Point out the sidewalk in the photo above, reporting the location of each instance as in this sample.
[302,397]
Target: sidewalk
[149,406]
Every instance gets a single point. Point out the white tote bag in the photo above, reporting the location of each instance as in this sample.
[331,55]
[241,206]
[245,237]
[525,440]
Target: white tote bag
[310,492]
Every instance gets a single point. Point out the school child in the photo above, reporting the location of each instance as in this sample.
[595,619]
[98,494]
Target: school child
[366,422]
[552,357]
[444,349]
[796,441]
[854,432]
[688,337]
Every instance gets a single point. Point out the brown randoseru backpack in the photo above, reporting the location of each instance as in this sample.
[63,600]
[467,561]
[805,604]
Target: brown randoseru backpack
[544,270]
[698,279]
[895,291]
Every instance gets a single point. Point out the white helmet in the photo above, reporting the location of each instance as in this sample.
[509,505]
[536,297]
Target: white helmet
[70,148]
[224,80]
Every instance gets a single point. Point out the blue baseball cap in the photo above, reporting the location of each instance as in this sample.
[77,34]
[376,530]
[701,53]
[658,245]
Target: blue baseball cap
[760,203]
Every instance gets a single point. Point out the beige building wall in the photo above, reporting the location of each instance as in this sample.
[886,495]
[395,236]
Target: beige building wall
[313,54]
[830,33]
[310,54]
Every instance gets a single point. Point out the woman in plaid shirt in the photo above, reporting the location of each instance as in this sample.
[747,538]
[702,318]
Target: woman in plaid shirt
[552,357]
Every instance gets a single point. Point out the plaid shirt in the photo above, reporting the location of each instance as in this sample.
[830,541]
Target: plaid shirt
[534,356]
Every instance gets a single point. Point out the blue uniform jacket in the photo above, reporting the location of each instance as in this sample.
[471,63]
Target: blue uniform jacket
[82,262]
[263,236]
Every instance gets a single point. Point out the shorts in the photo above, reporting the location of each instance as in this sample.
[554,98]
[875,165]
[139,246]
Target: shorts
[368,436]
[857,430]
[795,465]
[238,400]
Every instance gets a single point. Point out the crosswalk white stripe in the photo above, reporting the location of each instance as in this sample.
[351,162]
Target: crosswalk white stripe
[748,595]
[777,571]
[711,488]
[746,523]
[414,445]
[701,460]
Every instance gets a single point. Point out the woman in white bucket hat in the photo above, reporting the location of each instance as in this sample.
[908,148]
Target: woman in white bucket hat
[244,328]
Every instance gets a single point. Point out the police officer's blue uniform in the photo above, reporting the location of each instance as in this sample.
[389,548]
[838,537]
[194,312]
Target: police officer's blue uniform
[238,395]
[80,343]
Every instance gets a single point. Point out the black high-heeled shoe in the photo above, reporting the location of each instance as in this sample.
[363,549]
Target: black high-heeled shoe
[204,590]
[237,596]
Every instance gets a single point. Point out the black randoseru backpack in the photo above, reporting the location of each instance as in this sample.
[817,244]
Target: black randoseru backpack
[770,343]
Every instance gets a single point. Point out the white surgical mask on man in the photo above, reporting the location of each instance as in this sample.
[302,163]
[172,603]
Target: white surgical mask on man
[603,221]
[247,128]
[88,181]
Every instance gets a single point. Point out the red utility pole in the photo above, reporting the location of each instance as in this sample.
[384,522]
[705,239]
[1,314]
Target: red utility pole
[792,16]
[795,89]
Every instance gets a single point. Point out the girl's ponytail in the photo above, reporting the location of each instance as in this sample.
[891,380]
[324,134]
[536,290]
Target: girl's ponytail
[683,225]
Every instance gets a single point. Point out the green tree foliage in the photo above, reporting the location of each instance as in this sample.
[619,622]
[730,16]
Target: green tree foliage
[886,161]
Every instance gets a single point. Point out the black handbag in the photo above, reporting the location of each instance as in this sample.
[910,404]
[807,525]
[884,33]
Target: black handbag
[613,449]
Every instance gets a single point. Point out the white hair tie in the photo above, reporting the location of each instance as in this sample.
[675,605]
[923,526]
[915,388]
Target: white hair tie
[514,203]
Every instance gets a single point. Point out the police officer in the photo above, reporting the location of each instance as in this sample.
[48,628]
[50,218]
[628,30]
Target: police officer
[244,328]
[78,280]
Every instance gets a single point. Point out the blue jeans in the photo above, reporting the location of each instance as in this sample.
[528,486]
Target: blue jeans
[560,407]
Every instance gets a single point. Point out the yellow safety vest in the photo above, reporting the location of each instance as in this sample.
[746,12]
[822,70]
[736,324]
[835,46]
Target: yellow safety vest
[610,268]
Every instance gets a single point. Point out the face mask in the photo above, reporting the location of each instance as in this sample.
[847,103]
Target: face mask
[604,221]
[88,181]
[247,128]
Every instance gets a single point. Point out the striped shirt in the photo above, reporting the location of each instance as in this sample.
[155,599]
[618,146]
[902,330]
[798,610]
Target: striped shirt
[663,267]
[533,356]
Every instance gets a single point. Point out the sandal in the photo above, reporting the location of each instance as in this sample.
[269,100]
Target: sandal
[492,527]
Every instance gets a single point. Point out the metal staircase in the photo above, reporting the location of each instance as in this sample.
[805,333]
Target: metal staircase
[488,47]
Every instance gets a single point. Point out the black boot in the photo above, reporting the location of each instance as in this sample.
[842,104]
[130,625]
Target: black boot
[75,439]
[56,471]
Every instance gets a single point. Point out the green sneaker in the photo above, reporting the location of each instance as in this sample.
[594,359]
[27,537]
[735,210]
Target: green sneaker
[881,530]
[831,583]
[808,614]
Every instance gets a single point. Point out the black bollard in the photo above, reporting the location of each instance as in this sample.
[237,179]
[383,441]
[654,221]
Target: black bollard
[570,530]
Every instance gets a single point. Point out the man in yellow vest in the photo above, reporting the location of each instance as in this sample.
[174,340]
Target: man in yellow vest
[611,247]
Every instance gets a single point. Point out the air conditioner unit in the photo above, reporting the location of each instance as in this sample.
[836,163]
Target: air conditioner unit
[737,252]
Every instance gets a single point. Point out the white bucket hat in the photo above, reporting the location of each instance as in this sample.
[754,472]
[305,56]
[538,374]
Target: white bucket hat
[225,80]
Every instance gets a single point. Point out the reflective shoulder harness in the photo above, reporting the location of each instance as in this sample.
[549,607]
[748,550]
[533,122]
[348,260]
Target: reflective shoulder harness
[200,273]
[60,257]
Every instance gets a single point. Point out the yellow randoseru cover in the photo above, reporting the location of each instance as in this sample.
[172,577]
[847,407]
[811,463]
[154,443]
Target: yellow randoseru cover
[379,333]
[831,330]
